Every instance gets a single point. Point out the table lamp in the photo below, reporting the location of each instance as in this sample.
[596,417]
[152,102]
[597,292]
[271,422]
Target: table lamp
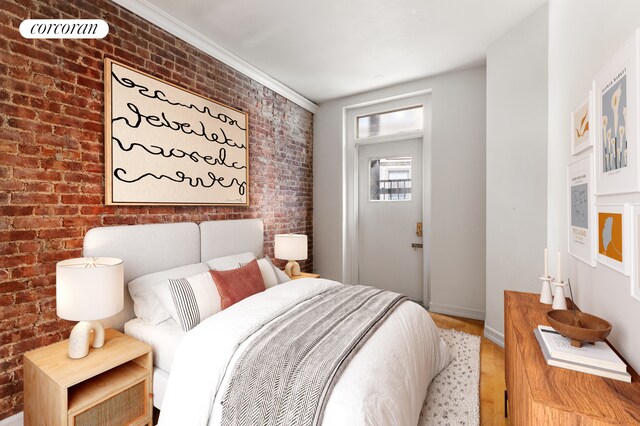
[88,290]
[291,247]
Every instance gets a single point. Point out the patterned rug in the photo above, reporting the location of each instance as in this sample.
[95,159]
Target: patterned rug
[453,397]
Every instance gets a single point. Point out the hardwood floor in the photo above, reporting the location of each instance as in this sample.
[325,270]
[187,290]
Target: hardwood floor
[492,384]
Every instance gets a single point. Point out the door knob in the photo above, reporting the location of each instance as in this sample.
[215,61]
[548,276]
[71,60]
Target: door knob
[419,229]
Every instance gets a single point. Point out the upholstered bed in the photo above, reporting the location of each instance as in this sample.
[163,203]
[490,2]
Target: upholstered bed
[384,382]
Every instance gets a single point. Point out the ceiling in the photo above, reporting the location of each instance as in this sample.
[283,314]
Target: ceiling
[327,49]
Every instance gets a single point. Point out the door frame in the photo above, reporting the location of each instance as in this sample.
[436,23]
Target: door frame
[350,172]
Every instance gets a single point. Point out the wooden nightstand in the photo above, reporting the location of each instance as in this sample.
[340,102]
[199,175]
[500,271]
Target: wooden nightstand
[305,275]
[110,386]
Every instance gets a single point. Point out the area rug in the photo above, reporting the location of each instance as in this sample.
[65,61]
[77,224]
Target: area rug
[453,397]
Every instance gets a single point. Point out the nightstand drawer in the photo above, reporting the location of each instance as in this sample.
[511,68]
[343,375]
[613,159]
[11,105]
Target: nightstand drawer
[128,407]
[117,395]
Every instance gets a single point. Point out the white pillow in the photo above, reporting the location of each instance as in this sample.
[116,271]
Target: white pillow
[268,274]
[189,300]
[282,277]
[145,303]
[227,263]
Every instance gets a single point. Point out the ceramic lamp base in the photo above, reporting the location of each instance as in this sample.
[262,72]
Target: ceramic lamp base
[292,269]
[81,336]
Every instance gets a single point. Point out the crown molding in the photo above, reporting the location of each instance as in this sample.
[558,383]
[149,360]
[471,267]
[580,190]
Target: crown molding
[170,24]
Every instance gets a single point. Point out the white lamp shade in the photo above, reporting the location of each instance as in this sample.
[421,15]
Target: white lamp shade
[291,246]
[89,289]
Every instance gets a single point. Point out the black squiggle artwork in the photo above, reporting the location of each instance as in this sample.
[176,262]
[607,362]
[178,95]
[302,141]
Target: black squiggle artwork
[194,156]
[159,95]
[169,146]
[163,121]
[181,177]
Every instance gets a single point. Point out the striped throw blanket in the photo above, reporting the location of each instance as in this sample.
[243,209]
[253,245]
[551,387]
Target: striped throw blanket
[286,376]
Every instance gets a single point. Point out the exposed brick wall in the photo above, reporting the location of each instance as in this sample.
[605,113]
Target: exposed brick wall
[52,170]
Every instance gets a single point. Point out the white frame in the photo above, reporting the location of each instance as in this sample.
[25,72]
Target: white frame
[634,227]
[624,266]
[576,148]
[624,63]
[581,171]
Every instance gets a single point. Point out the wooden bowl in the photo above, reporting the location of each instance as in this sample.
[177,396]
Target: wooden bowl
[578,326]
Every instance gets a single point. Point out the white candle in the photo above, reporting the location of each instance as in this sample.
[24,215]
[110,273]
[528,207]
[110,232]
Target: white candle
[546,262]
[559,274]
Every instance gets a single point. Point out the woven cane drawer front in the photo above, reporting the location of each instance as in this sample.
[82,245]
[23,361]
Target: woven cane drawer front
[121,409]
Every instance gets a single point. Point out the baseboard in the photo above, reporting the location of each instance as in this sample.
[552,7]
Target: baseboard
[15,420]
[494,335]
[456,311]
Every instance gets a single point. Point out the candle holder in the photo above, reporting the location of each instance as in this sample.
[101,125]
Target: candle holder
[545,294]
[559,301]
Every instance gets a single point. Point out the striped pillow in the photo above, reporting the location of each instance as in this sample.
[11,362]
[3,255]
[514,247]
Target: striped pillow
[190,300]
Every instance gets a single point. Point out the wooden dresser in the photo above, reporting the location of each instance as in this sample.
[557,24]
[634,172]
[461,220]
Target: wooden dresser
[543,395]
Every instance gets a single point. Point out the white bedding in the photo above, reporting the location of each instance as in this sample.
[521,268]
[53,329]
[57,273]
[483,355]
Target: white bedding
[160,380]
[385,383]
[163,338]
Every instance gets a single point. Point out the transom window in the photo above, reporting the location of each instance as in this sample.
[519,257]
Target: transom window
[390,122]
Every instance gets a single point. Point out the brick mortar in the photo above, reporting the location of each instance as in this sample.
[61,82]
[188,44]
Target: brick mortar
[52,161]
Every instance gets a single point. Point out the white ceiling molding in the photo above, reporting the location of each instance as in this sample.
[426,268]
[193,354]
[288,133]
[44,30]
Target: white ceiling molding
[170,24]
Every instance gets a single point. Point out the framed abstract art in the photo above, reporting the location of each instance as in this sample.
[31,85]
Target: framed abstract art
[582,133]
[613,236]
[165,145]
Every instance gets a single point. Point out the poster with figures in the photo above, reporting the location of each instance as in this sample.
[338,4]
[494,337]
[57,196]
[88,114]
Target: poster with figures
[169,146]
[581,204]
[616,97]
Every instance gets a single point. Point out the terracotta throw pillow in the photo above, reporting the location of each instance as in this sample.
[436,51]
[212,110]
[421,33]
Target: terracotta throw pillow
[238,284]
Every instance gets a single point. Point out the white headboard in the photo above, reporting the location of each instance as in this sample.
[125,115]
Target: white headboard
[224,237]
[156,247]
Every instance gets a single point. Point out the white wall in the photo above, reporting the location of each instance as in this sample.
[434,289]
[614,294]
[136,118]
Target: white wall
[516,164]
[457,241]
[583,35]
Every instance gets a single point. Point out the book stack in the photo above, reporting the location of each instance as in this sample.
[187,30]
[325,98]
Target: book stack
[598,359]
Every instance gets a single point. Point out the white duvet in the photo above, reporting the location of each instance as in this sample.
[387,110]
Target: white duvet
[385,383]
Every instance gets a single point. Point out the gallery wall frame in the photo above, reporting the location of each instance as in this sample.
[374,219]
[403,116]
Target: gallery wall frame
[616,105]
[613,245]
[582,120]
[634,232]
[581,210]
[165,145]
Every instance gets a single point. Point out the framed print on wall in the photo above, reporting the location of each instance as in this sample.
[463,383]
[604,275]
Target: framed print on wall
[634,221]
[581,125]
[168,146]
[581,205]
[612,240]
[616,104]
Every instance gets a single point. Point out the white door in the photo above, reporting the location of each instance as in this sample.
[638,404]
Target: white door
[389,208]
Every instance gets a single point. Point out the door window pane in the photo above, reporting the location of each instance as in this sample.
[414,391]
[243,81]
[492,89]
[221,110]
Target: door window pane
[390,179]
[389,123]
